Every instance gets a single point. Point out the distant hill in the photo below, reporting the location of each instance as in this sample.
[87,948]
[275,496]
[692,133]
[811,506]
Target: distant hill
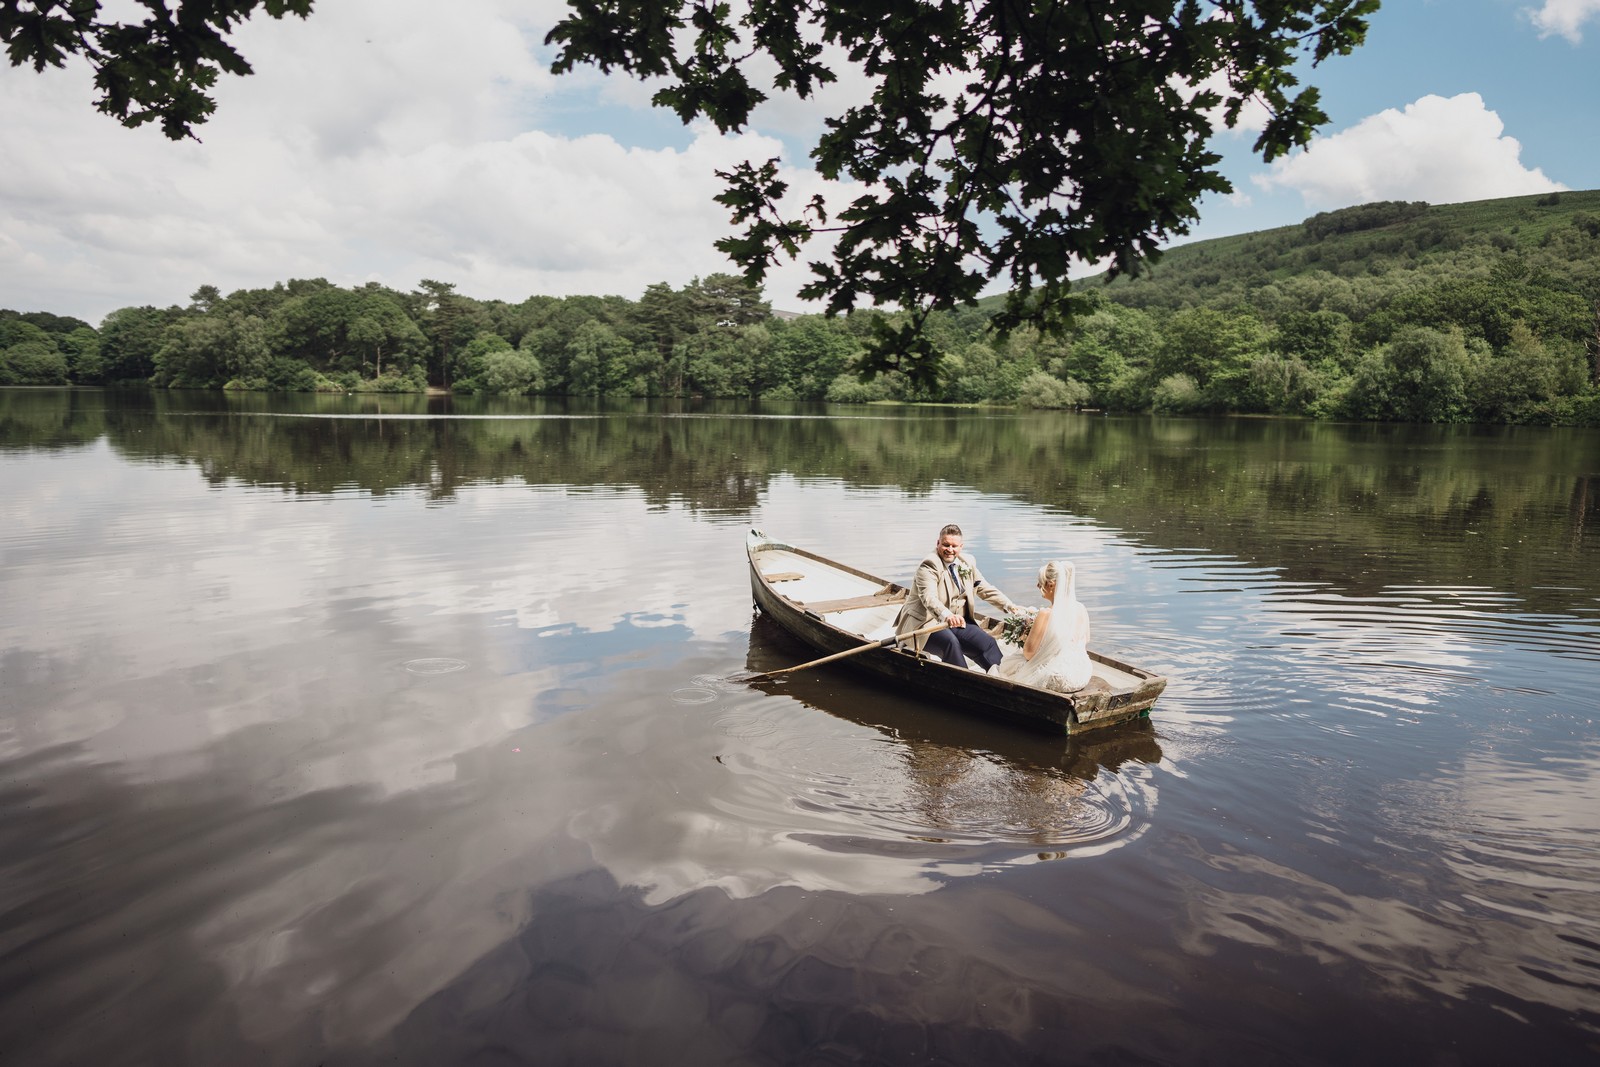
[1396,310]
[1402,243]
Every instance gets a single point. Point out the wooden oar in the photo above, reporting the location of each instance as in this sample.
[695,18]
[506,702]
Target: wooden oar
[885,643]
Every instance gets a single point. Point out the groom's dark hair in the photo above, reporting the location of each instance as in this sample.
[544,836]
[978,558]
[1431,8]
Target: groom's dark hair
[952,529]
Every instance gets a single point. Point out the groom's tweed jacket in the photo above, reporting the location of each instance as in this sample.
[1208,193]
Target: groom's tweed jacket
[934,594]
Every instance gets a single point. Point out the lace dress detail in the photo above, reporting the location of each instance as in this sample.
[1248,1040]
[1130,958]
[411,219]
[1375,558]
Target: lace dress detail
[1062,662]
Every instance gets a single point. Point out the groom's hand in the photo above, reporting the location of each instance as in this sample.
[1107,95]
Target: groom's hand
[955,622]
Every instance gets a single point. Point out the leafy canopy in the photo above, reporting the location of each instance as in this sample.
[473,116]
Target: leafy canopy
[159,69]
[1002,139]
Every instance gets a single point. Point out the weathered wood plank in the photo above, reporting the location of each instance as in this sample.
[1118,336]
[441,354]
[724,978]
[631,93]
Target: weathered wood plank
[871,600]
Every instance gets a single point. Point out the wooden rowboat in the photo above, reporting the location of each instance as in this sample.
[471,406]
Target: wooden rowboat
[835,608]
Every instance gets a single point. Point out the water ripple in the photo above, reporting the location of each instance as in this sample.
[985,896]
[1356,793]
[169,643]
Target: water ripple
[435,665]
[882,790]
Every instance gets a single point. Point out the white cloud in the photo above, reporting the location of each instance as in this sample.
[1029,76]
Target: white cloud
[376,141]
[1253,116]
[1436,149]
[1564,17]
[790,115]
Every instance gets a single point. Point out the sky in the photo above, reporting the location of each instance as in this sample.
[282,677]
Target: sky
[397,140]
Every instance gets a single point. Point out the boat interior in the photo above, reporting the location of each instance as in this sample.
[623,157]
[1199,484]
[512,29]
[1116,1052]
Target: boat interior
[862,606]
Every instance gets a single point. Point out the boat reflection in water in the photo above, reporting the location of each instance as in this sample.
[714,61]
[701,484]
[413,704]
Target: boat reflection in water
[966,782]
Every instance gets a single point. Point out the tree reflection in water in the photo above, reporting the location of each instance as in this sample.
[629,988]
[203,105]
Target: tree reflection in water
[1358,507]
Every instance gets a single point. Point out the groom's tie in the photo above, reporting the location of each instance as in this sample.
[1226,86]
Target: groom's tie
[954,577]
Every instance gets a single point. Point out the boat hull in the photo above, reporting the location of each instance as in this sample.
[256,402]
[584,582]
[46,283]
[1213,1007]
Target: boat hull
[1119,693]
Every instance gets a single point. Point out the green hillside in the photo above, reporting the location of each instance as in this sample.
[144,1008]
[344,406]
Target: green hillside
[1403,311]
[1395,244]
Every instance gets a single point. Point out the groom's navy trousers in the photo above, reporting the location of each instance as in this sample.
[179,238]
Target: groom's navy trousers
[971,639]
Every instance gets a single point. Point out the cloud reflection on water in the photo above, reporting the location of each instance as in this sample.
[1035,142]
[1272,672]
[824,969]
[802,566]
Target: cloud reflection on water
[370,832]
[233,819]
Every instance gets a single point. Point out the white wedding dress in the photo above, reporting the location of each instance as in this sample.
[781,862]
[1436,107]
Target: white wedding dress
[1062,661]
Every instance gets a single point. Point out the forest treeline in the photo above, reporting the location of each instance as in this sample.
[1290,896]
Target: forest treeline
[1484,312]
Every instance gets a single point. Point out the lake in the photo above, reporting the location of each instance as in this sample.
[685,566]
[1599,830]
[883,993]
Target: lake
[359,730]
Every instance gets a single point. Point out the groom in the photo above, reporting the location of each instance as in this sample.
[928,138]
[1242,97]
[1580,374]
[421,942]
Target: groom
[942,591]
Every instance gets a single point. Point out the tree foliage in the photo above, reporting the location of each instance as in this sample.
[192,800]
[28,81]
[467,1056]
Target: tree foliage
[1001,140]
[1498,323]
[1364,217]
[158,69]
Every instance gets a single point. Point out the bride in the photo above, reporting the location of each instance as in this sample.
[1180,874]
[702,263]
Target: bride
[1055,654]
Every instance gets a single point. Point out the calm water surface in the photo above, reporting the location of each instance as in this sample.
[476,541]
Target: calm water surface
[350,731]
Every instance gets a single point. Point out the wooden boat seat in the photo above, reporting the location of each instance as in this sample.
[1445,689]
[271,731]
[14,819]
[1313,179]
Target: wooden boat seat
[889,594]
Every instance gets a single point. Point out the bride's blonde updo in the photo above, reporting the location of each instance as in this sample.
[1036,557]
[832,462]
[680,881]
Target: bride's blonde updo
[1061,574]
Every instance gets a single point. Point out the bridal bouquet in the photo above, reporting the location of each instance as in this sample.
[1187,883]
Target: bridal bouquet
[1014,628]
